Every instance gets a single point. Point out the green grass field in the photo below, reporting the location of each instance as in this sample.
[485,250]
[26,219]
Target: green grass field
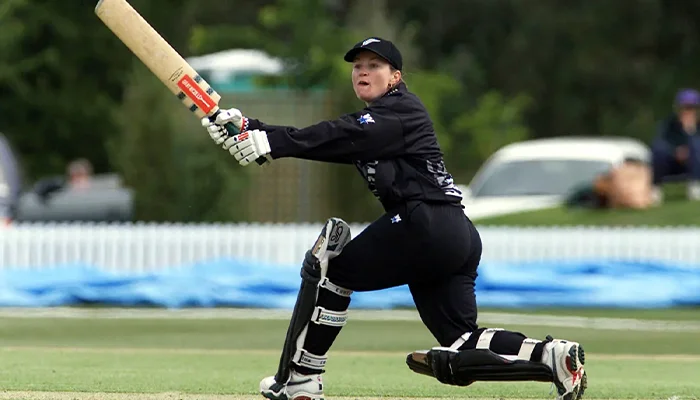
[224,358]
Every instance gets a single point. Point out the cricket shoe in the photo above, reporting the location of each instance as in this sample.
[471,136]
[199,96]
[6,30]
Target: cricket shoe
[330,242]
[270,389]
[298,387]
[566,359]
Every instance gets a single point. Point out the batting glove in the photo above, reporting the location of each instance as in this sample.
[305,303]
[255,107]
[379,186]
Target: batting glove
[248,146]
[217,128]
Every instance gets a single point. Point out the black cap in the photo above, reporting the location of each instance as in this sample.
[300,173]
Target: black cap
[383,48]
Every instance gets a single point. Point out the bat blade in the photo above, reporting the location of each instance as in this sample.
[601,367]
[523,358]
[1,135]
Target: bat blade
[162,59]
[159,56]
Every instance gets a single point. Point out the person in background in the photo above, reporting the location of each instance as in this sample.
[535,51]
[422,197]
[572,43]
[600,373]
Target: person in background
[79,173]
[676,148]
[625,186]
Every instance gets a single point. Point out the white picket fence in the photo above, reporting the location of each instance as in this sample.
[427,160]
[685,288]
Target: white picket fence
[144,247]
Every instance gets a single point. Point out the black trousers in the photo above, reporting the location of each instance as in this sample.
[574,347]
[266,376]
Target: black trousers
[434,249]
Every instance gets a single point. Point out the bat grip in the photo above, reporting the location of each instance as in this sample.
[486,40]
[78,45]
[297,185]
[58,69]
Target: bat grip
[232,130]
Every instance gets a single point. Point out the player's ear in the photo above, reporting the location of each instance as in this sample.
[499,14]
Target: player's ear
[395,77]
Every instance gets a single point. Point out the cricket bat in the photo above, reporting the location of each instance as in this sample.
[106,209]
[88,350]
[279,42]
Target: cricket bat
[162,59]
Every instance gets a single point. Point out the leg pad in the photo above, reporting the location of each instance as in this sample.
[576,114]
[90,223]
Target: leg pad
[462,368]
[302,313]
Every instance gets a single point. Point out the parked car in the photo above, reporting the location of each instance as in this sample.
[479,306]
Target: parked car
[51,199]
[540,173]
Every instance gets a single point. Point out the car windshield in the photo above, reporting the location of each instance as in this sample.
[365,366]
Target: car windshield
[537,177]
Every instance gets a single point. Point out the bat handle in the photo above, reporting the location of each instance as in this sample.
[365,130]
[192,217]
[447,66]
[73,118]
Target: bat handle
[232,130]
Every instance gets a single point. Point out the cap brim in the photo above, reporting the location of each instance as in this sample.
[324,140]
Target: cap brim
[350,55]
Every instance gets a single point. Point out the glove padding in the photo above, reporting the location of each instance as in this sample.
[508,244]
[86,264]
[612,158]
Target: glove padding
[216,128]
[248,146]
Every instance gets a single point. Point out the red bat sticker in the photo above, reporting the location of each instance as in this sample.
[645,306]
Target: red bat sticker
[195,93]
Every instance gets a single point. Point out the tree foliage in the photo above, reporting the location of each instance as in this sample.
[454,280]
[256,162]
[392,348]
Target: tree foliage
[169,160]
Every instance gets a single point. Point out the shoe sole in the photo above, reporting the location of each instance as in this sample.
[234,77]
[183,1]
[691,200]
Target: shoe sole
[576,359]
[304,396]
[580,355]
[282,395]
[272,396]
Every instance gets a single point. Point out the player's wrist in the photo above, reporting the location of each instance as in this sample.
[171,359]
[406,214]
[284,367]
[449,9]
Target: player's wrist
[253,124]
[245,124]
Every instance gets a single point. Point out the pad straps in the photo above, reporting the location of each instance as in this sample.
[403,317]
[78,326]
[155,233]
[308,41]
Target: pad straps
[485,338]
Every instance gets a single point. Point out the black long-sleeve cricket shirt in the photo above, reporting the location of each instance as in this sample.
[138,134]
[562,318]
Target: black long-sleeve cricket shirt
[391,142]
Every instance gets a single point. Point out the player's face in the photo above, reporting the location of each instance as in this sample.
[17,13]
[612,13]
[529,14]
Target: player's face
[371,76]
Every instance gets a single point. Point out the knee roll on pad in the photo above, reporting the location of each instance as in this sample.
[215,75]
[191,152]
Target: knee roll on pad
[462,368]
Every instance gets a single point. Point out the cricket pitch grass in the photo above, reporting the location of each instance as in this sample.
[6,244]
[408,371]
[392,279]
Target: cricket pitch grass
[108,355]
